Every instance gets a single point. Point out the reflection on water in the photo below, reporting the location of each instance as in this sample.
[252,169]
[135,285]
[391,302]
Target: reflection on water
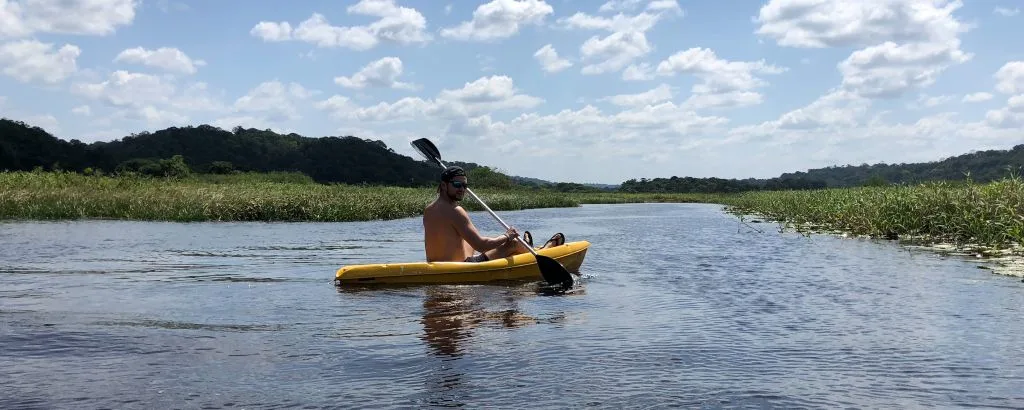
[677,307]
[452,313]
[447,319]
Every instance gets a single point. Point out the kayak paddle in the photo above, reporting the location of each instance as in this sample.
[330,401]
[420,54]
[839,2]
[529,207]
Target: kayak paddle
[552,271]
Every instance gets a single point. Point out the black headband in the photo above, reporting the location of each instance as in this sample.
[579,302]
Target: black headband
[451,172]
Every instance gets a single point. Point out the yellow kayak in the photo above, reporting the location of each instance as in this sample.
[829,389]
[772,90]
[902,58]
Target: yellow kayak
[516,267]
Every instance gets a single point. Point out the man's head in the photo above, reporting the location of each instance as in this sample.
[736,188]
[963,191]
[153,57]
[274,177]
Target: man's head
[453,183]
[452,172]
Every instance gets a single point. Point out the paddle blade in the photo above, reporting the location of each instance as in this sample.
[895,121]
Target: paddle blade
[427,149]
[553,272]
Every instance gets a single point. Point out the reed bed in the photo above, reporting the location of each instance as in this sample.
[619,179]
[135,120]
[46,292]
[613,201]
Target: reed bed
[989,214]
[60,195]
[959,213]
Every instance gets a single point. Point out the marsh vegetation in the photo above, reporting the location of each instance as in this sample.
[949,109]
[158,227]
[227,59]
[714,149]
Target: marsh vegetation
[958,212]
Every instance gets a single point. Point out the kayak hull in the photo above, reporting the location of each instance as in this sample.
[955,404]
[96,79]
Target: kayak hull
[515,267]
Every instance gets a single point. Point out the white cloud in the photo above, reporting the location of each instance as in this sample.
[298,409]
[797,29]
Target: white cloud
[124,88]
[380,73]
[32,60]
[166,58]
[83,110]
[665,5]
[613,52]
[484,95]
[1010,116]
[499,19]
[626,42]
[619,5]
[273,101]
[728,99]
[273,31]
[619,22]
[840,23]
[889,70]
[1010,77]
[1009,80]
[152,116]
[549,61]
[1003,11]
[22,18]
[834,110]
[401,25]
[977,97]
[155,101]
[719,75]
[641,72]
[655,95]
[725,83]
[906,44]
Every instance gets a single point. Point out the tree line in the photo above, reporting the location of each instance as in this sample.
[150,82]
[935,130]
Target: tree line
[980,166]
[347,159]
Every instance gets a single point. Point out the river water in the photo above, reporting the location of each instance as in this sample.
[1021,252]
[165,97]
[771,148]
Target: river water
[678,305]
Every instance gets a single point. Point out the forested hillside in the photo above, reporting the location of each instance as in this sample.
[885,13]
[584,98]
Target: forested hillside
[353,160]
[209,149]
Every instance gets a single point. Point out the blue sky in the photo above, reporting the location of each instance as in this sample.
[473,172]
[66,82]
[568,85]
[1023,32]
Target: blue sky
[563,90]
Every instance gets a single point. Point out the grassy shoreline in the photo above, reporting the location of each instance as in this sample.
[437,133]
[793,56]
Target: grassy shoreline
[988,214]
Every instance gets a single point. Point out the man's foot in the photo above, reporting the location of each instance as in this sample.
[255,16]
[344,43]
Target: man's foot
[556,240]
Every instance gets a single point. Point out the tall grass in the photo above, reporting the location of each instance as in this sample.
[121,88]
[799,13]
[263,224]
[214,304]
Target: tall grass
[243,197]
[990,214]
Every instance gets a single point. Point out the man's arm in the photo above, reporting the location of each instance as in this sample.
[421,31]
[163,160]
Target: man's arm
[465,227]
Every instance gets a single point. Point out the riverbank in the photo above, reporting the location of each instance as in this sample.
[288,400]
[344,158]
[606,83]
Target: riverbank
[986,220]
[245,197]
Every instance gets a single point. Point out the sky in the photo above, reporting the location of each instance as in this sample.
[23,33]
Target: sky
[561,90]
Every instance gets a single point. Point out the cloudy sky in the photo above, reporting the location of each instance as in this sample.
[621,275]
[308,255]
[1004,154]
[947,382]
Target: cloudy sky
[563,90]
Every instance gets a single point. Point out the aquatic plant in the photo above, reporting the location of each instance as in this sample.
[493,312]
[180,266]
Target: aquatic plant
[990,214]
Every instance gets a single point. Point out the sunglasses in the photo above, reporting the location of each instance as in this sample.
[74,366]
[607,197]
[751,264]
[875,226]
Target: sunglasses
[459,184]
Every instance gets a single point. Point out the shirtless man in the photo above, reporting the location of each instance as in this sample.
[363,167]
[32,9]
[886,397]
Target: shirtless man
[449,235]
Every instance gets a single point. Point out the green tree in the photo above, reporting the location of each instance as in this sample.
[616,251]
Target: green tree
[221,167]
[490,178]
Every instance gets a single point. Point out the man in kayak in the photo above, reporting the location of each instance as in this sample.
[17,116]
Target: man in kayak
[449,234]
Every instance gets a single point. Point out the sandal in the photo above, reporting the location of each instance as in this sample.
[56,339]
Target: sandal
[556,240]
[528,237]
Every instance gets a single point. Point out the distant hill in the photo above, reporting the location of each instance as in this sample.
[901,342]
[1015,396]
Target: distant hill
[206,148]
[353,160]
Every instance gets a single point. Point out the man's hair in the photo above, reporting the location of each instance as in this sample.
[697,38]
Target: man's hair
[451,172]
